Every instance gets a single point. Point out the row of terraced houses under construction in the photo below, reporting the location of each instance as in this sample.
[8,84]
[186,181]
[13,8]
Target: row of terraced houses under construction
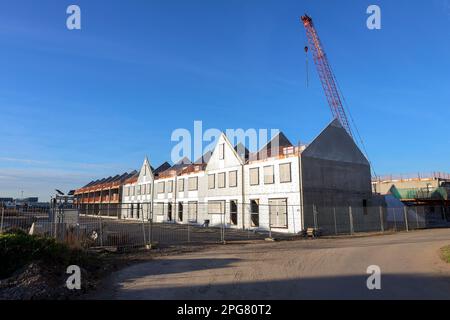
[282,186]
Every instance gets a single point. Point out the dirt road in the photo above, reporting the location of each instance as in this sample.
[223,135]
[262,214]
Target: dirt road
[305,269]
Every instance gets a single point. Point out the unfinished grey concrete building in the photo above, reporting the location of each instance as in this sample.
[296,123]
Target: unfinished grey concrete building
[282,187]
[335,175]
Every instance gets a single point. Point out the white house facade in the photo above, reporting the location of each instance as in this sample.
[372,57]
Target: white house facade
[269,189]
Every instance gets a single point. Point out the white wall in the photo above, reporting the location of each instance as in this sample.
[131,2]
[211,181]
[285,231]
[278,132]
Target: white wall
[277,190]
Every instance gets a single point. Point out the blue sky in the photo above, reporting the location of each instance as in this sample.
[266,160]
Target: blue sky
[79,105]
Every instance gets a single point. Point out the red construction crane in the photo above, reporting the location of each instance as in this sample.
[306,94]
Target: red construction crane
[325,74]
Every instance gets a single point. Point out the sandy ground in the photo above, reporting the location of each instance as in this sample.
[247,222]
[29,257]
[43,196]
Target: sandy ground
[304,269]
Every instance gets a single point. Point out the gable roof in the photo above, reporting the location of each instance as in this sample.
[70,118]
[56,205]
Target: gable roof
[273,147]
[204,159]
[242,151]
[334,143]
[105,182]
[161,168]
[181,164]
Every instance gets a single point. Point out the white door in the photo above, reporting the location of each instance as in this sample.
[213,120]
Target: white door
[278,213]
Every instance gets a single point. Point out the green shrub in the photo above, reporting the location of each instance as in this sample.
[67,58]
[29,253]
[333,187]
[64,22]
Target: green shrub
[445,254]
[18,249]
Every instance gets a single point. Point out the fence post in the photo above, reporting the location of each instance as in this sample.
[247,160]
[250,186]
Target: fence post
[270,223]
[405,211]
[101,232]
[417,217]
[350,214]
[395,219]
[143,228]
[335,222]
[1,222]
[315,216]
[189,230]
[150,230]
[223,229]
[55,222]
[381,219]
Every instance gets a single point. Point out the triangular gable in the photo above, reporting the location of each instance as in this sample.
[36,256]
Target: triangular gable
[334,143]
[204,158]
[181,164]
[146,173]
[231,158]
[242,151]
[274,146]
[161,168]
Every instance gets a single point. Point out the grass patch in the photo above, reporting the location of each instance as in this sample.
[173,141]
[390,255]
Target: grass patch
[445,254]
[18,249]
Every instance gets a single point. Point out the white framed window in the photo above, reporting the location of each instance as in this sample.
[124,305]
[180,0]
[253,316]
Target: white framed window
[269,177]
[161,187]
[254,176]
[169,186]
[158,208]
[222,180]
[285,173]
[222,151]
[211,181]
[180,185]
[216,207]
[232,179]
[193,183]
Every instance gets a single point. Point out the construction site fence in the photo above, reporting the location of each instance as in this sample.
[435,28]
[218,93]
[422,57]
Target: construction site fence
[122,226]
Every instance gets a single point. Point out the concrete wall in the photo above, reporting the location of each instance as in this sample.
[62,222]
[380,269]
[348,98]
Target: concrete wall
[265,192]
[335,174]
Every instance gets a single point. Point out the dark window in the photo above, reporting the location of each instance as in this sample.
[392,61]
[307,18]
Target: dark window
[180,211]
[233,212]
[365,209]
[254,212]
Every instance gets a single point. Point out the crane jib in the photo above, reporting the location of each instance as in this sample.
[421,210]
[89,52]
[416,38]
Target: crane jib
[326,75]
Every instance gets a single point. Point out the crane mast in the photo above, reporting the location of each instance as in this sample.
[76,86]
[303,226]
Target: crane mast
[326,75]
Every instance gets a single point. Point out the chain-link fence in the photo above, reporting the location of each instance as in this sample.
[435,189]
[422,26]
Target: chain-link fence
[351,220]
[192,223]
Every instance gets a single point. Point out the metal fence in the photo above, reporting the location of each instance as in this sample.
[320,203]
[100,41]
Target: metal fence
[103,230]
[132,225]
[351,220]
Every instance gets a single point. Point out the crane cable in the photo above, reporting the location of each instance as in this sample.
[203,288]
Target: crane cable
[307,67]
[345,105]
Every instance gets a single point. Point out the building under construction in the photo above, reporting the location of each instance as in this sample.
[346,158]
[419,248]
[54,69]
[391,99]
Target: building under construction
[102,194]
[428,191]
[281,187]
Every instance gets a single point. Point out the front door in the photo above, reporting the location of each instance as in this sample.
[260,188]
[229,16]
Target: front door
[169,212]
[233,212]
[278,213]
[180,211]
